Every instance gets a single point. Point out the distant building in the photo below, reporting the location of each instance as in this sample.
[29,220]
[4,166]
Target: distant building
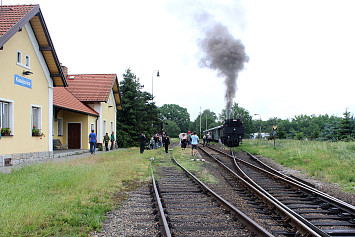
[90,102]
[263,135]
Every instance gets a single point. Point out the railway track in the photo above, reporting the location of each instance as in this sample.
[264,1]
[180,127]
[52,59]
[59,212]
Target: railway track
[298,204]
[187,207]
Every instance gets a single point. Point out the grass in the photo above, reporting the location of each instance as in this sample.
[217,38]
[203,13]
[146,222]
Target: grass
[185,159]
[68,198]
[333,162]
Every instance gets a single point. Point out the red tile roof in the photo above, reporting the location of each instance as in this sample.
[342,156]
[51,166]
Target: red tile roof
[91,87]
[64,99]
[10,15]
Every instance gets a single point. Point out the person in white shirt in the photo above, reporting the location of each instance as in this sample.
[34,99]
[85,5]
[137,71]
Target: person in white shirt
[194,142]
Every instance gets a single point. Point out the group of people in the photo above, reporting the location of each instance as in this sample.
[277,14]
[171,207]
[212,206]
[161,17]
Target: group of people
[189,140]
[156,141]
[107,139]
[206,138]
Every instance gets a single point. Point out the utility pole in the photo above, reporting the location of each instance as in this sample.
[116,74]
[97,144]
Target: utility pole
[206,121]
[200,121]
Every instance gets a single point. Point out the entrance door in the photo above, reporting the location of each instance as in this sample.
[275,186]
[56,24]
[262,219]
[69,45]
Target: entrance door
[74,135]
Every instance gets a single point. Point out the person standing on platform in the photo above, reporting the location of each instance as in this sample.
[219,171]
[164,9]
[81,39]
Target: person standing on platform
[112,140]
[194,142]
[106,140]
[142,141]
[93,141]
[166,142]
[188,139]
[183,141]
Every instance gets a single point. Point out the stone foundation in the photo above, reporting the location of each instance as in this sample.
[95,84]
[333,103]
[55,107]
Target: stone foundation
[25,158]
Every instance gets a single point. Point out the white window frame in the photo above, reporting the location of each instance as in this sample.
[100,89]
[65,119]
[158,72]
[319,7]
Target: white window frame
[27,61]
[104,127]
[19,60]
[109,99]
[92,127]
[39,126]
[112,127]
[19,57]
[60,131]
[10,104]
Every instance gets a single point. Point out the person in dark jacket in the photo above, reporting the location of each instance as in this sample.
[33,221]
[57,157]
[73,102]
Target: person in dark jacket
[142,141]
[166,142]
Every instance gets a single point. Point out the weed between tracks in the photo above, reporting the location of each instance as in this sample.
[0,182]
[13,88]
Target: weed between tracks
[194,166]
[331,161]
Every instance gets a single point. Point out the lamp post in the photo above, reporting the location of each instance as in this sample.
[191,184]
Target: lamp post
[260,123]
[152,80]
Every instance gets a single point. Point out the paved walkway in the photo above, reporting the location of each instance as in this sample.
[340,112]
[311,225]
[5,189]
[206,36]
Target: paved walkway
[68,152]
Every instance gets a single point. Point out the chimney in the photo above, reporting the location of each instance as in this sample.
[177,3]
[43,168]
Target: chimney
[65,71]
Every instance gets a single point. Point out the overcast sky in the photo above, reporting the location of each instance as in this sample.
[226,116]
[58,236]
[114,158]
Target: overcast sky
[301,53]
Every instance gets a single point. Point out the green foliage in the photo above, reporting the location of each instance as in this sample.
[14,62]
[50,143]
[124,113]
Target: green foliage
[206,115]
[140,114]
[5,131]
[347,127]
[177,114]
[172,129]
[322,127]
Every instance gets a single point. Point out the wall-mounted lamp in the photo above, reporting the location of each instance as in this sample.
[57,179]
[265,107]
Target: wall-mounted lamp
[27,73]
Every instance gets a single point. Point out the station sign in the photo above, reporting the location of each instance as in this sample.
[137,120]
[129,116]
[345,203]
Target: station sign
[22,81]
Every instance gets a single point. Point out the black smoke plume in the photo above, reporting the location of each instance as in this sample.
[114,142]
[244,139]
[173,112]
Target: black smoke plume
[224,53]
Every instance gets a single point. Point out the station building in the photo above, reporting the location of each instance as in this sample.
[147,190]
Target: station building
[39,102]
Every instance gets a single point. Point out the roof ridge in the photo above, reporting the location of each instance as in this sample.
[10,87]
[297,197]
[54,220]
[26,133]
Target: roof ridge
[91,74]
[15,5]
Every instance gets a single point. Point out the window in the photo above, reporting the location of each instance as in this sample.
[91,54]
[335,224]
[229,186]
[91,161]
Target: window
[104,130]
[6,114]
[92,127]
[36,121]
[27,61]
[112,127]
[19,57]
[60,127]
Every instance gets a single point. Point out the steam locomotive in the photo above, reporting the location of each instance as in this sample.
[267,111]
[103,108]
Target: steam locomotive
[229,134]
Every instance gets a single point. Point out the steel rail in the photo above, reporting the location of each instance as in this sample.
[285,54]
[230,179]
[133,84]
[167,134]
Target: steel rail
[165,227]
[304,227]
[255,227]
[295,183]
[336,202]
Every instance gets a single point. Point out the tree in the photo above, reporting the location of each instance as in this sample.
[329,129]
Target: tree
[238,112]
[172,129]
[139,114]
[346,127]
[177,114]
[208,115]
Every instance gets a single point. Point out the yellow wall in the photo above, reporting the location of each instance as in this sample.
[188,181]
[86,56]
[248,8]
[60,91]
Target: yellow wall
[72,117]
[108,114]
[22,140]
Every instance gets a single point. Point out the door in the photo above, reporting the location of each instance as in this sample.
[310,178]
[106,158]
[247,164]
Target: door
[74,135]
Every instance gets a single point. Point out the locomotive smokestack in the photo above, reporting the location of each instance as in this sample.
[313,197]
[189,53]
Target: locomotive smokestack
[223,53]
